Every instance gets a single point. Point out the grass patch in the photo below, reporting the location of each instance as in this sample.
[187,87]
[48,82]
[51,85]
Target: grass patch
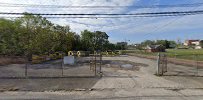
[185,51]
[188,54]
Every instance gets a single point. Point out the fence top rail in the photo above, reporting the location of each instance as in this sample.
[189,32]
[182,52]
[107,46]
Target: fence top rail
[185,54]
[3,56]
[95,54]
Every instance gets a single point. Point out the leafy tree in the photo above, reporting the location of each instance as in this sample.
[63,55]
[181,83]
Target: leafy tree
[37,34]
[32,34]
[9,41]
[111,46]
[122,45]
[94,40]
[99,40]
[172,44]
[87,40]
[148,42]
[167,44]
[201,43]
[77,42]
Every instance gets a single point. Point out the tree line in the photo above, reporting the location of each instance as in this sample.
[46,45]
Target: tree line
[201,43]
[166,43]
[33,34]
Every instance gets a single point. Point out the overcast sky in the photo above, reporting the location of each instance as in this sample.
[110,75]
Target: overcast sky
[133,29]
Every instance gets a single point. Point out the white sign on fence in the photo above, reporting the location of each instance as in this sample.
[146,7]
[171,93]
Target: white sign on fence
[70,60]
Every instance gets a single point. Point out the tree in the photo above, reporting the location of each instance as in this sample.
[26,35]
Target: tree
[164,43]
[201,43]
[33,34]
[99,40]
[167,44]
[61,38]
[148,42]
[77,42]
[110,46]
[87,40]
[9,37]
[94,40]
[122,45]
[37,34]
[172,44]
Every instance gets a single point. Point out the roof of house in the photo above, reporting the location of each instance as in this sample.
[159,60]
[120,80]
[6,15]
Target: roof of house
[153,46]
[192,40]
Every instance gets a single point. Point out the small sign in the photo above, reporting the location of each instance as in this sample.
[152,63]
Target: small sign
[69,60]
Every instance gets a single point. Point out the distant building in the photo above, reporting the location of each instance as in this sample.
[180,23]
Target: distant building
[155,48]
[191,42]
[198,47]
[194,43]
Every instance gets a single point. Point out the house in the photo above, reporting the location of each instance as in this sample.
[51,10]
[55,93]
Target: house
[198,47]
[191,42]
[194,43]
[155,48]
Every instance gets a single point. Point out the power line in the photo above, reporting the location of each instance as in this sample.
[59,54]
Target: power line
[102,17]
[165,25]
[112,14]
[83,6]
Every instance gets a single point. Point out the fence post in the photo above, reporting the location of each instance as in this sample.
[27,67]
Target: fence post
[196,64]
[62,66]
[95,64]
[158,65]
[100,72]
[175,55]
[165,64]
[26,66]
[90,60]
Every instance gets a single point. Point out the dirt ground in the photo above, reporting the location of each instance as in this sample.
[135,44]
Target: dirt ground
[46,69]
[125,77]
[4,60]
[48,76]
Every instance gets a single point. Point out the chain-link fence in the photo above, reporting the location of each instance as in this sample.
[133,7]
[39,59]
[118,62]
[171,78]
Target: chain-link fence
[13,66]
[96,63]
[52,65]
[180,64]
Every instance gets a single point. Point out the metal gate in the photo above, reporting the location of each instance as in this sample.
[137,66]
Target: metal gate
[96,63]
[162,64]
[180,65]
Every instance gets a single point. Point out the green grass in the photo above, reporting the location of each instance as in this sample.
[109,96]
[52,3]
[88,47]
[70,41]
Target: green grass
[143,52]
[185,51]
[189,54]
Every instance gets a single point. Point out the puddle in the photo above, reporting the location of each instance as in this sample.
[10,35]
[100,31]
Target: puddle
[128,66]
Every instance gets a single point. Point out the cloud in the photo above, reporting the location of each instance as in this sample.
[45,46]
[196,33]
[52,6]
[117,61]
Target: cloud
[127,26]
[91,24]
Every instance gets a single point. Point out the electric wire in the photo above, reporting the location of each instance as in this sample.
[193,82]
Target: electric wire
[86,6]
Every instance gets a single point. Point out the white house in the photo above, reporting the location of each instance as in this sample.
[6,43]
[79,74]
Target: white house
[191,42]
[195,43]
[198,47]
